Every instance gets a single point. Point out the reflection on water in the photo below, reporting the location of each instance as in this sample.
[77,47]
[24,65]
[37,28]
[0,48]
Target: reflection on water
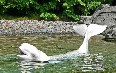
[92,62]
[26,66]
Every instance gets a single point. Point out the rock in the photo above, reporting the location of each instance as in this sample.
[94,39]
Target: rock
[104,15]
[86,19]
[110,32]
[30,27]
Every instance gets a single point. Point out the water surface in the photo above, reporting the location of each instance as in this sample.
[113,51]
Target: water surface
[102,56]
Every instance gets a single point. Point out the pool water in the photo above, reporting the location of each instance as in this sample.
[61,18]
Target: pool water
[102,57]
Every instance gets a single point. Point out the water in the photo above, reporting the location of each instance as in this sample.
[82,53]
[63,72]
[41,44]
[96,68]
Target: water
[101,59]
[85,63]
[93,62]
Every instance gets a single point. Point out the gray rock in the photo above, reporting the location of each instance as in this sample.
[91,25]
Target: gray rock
[104,15]
[29,27]
[86,19]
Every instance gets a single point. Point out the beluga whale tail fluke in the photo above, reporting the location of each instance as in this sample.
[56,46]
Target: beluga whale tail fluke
[87,31]
[30,52]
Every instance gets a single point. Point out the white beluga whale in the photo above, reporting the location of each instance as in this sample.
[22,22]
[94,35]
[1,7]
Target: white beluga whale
[30,52]
[87,31]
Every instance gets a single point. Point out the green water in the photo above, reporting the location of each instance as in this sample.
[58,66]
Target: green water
[102,56]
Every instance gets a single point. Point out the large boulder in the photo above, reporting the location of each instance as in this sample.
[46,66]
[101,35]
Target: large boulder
[104,15]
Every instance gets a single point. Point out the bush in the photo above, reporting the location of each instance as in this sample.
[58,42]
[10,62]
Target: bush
[50,9]
[49,16]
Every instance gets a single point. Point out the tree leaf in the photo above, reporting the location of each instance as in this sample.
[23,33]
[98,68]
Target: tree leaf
[82,3]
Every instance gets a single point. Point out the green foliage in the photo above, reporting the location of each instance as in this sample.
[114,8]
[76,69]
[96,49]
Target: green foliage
[92,5]
[50,9]
[70,14]
[49,16]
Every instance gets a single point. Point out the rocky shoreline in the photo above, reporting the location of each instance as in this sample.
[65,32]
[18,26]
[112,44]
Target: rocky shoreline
[29,27]
[104,15]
